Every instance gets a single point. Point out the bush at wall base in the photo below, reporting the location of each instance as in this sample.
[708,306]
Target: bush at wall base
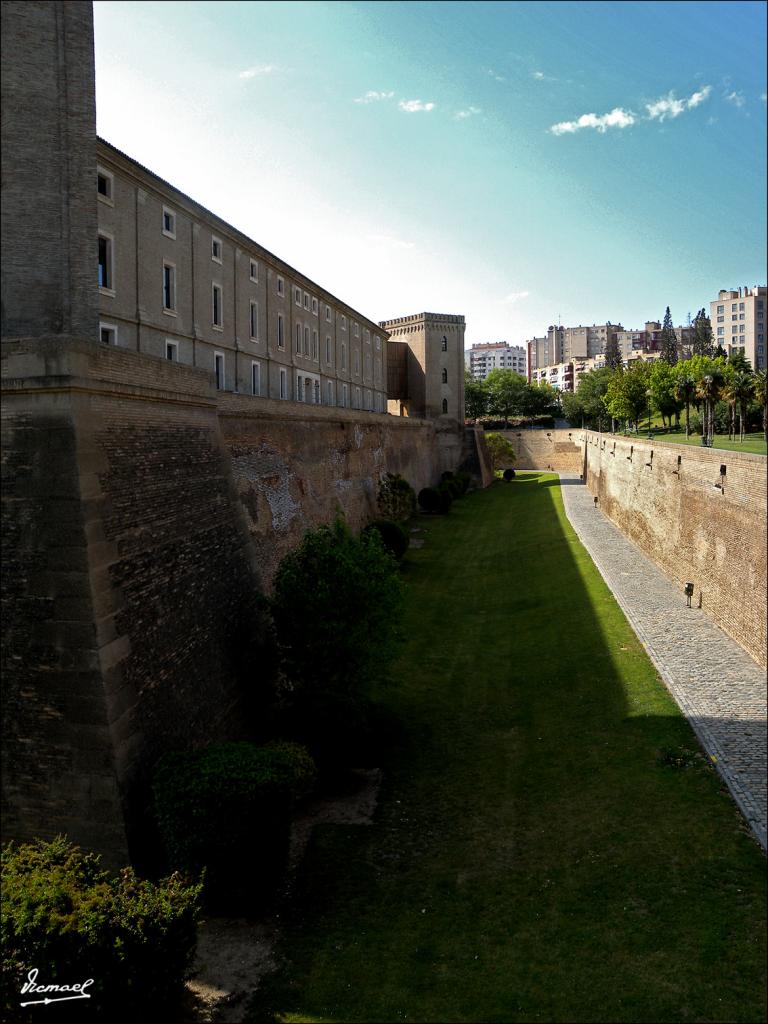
[65,916]
[508,474]
[397,499]
[429,499]
[393,536]
[227,809]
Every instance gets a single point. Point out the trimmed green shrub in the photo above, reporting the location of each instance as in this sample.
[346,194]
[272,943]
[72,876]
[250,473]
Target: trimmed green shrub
[464,480]
[393,536]
[444,500]
[429,499]
[227,809]
[334,727]
[397,499]
[65,916]
[336,607]
[508,474]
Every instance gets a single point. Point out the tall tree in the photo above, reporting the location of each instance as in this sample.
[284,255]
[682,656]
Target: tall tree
[685,389]
[505,389]
[708,389]
[475,397]
[668,340]
[613,358]
[627,396]
[702,335]
[664,391]
[586,407]
[760,391]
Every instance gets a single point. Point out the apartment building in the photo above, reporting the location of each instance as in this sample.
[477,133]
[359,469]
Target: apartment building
[486,356]
[178,282]
[566,346]
[738,322]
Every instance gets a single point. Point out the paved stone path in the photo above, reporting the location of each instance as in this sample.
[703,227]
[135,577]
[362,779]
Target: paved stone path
[719,688]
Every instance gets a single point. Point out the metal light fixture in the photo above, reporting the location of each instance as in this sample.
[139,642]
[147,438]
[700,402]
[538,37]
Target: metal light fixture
[688,593]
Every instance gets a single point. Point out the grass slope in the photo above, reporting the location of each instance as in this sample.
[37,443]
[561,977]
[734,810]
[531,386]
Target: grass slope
[533,857]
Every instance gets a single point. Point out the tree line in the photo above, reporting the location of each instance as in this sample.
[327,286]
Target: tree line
[504,394]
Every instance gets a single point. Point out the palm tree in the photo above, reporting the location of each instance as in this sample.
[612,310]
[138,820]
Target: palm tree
[685,388]
[759,390]
[741,390]
[708,390]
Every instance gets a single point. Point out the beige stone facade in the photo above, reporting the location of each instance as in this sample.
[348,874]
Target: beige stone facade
[498,355]
[176,281]
[738,322]
[431,374]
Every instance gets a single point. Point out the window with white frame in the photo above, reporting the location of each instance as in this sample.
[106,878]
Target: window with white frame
[367,337]
[298,338]
[218,369]
[280,286]
[343,355]
[345,395]
[280,331]
[254,321]
[721,330]
[721,309]
[169,288]
[254,271]
[105,186]
[106,263]
[315,346]
[328,314]
[314,306]
[283,383]
[169,223]
[216,250]
[357,399]
[357,329]
[306,300]
[318,397]
[297,296]
[357,363]
[306,341]
[255,378]
[108,334]
[299,388]
[327,348]
[329,392]
[217,312]
[378,343]
[343,323]
[171,351]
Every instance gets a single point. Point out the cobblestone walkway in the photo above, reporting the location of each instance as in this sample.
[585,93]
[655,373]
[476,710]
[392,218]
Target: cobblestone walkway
[719,688]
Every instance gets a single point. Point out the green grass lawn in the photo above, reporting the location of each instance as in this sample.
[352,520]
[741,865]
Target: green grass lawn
[752,443]
[534,856]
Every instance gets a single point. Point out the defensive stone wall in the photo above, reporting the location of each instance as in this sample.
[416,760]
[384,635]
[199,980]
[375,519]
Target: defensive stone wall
[699,514]
[547,449]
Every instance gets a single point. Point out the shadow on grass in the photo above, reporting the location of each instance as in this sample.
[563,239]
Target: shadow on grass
[548,846]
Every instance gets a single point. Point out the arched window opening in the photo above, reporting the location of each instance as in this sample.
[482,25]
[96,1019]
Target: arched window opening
[445,405]
[445,376]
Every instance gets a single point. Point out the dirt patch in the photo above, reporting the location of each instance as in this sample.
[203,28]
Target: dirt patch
[234,954]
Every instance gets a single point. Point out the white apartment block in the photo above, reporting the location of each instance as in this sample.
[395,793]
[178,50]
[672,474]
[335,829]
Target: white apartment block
[177,282]
[498,355]
[738,322]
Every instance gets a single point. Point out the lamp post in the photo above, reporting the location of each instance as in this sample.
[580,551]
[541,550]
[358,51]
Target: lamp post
[648,394]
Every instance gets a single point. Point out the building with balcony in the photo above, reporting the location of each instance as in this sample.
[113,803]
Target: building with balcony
[738,322]
[499,355]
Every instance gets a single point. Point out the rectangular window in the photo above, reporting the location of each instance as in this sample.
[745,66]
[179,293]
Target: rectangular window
[742,316]
[255,378]
[328,314]
[378,343]
[280,286]
[317,392]
[741,328]
[254,271]
[733,306]
[343,323]
[357,364]
[216,250]
[721,309]
[741,305]
[734,329]
[721,330]
[298,338]
[306,341]
[254,321]
[299,388]
[315,346]
[280,331]
[283,383]
[720,319]
[314,306]
[169,287]
[169,223]
[218,367]
[217,312]
[105,186]
[108,334]
[343,356]
[306,300]
[329,393]
[327,349]
[345,395]
[172,351]
[357,329]
[105,262]
[297,296]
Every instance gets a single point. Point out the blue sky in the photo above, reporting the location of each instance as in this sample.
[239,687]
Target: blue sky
[514,162]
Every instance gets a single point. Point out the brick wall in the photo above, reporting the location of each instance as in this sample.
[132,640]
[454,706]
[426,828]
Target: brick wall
[547,449]
[663,497]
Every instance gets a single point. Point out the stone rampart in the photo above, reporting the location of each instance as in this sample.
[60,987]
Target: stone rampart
[546,449]
[697,524]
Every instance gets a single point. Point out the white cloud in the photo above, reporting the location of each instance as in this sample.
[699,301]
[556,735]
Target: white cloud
[373,97]
[670,107]
[736,98]
[763,96]
[462,115]
[414,106]
[390,242]
[616,118]
[260,69]
[515,296]
[541,77]
[496,77]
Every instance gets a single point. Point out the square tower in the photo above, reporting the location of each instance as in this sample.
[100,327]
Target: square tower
[425,366]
